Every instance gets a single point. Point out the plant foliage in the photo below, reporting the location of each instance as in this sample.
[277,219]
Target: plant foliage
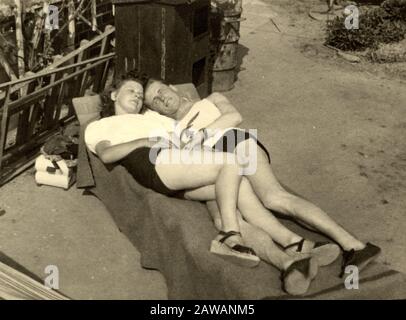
[377,25]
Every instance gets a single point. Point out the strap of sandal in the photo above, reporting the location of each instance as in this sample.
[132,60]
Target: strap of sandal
[244,249]
[299,245]
[227,235]
[237,247]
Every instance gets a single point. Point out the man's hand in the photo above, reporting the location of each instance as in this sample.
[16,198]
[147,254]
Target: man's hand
[196,141]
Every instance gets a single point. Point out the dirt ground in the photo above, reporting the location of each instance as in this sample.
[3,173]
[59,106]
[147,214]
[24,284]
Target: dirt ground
[308,35]
[335,130]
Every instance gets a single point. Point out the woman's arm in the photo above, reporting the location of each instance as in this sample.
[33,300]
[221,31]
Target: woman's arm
[109,154]
[230,117]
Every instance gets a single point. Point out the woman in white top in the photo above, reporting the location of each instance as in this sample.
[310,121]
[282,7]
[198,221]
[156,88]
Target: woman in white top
[261,183]
[127,137]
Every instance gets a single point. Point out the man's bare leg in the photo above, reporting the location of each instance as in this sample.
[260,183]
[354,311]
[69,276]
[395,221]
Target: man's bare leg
[275,197]
[294,280]
[254,212]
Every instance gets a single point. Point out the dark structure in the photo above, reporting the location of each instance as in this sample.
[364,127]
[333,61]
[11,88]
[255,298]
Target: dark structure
[225,21]
[167,39]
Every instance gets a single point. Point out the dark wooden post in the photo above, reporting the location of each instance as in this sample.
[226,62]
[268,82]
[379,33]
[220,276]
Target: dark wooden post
[167,39]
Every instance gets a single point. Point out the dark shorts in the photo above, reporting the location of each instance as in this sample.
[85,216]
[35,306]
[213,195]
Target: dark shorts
[142,169]
[231,138]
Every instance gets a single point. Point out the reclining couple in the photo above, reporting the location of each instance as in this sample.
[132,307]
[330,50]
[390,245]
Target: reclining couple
[216,167]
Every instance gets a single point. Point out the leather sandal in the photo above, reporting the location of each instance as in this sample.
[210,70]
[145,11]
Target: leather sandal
[238,254]
[325,252]
[359,258]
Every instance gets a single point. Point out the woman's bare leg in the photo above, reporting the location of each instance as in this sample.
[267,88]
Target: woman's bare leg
[252,210]
[276,198]
[256,214]
[181,169]
[257,239]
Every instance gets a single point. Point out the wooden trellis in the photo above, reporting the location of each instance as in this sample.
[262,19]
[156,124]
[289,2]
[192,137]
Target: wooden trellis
[39,112]
[36,48]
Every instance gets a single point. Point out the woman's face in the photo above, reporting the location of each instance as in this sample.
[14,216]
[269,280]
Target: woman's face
[162,98]
[128,98]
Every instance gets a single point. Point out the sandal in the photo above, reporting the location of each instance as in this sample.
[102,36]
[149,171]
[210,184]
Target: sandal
[238,254]
[297,277]
[325,253]
[359,258]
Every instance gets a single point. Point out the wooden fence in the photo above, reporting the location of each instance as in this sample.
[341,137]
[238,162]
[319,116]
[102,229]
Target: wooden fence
[40,104]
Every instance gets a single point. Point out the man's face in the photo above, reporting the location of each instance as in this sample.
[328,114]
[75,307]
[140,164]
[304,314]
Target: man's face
[162,98]
[129,97]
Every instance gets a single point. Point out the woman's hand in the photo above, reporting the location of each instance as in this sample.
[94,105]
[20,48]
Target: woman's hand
[166,143]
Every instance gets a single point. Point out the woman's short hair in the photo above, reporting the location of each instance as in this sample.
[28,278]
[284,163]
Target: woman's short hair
[108,109]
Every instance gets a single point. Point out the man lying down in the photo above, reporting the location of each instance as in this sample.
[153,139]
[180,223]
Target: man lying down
[194,150]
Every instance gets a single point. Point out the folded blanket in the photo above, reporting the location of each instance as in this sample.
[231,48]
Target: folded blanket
[173,236]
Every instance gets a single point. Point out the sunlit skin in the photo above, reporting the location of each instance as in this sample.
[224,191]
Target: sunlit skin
[163,99]
[167,101]
[128,98]
[220,185]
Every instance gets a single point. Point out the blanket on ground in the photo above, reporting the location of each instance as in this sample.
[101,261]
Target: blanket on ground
[173,236]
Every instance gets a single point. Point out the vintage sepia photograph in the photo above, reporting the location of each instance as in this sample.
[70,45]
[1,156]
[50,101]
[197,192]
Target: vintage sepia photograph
[229,150]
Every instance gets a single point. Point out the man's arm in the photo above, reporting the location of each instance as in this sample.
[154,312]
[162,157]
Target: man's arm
[230,117]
